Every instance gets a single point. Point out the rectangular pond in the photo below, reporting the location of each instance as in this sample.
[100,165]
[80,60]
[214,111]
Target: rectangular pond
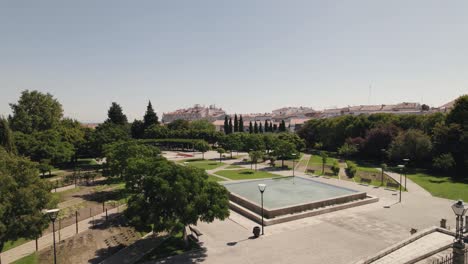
[288,195]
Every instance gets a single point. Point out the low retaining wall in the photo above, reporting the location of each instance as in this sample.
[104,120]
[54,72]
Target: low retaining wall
[290,217]
[272,213]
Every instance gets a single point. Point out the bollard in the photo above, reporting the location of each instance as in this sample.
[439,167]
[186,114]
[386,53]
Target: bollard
[76,221]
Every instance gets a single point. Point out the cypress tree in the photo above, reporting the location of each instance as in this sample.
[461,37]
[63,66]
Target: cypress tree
[226,125]
[266,126]
[236,124]
[116,115]
[241,124]
[260,128]
[230,126]
[255,127]
[282,127]
[6,136]
[275,128]
[150,118]
[250,127]
[271,127]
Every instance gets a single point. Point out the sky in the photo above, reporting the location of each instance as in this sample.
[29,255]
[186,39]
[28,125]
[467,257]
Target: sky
[244,56]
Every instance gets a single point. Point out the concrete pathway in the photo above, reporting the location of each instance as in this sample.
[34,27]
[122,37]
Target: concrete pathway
[46,240]
[135,251]
[410,185]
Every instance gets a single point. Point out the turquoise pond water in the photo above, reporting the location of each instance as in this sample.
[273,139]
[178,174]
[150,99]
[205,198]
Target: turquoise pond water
[287,191]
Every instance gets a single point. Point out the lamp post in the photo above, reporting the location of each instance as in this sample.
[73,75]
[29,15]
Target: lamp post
[294,161]
[251,160]
[262,188]
[53,214]
[459,246]
[406,169]
[401,167]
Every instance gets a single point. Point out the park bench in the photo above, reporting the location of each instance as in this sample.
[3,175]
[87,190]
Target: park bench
[367,181]
[195,231]
[393,185]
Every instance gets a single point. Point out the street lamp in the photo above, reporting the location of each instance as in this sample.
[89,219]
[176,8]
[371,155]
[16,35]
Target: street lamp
[401,167]
[459,247]
[262,188]
[53,214]
[294,160]
[406,166]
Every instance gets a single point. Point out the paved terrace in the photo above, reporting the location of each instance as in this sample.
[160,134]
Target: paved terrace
[340,237]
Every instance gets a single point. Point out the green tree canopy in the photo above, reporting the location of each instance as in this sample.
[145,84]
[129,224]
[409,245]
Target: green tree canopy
[115,115]
[202,124]
[119,153]
[284,150]
[23,196]
[413,144]
[179,124]
[106,133]
[137,129]
[170,197]
[202,146]
[35,111]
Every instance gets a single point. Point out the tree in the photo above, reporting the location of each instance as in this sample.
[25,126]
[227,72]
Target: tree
[335,168]
[6,136]
[425,107]
[379,138]
[459,112]
[282,127]
[260,128]
[351,169]
[44,166]
[241,124]
[251,129]
[411,143]
[179,124]
[157,132]
[236,124]
[23,196]
[255,127]
[118,155]
[170,197]
[150,118]
[137,129]
[255,156]
[226,125]
[283,150]
[35,111]
[253,142]
[457,120]
[444,162]
[266,126]
[324,157]
[106,133]
[230,126]
[202,124]
[275,128]
[347,150]
[202,146]
[221,151]
[231,142]
[115,115]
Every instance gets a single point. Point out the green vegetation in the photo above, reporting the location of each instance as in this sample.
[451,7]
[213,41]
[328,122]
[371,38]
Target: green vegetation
[204,164]
[214,178]
[316,159]
[245,174]
[30,259]
[444,187]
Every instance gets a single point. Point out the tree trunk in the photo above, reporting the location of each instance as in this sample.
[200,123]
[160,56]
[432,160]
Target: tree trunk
[185,237]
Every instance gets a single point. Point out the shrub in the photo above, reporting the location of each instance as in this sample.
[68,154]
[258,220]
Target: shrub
[335,168]
[351,169]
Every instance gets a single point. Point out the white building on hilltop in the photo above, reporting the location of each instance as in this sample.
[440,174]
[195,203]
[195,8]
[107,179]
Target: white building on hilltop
[196,112]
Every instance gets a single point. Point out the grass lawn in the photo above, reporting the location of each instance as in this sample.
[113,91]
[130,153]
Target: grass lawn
[30,259]
[245,174]
[234,167]
[440,186]
[214,178]
[172,246]
[318,159]
[12,244]
[203,164]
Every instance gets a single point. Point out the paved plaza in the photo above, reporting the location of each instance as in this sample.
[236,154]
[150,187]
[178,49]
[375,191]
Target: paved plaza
[344,236]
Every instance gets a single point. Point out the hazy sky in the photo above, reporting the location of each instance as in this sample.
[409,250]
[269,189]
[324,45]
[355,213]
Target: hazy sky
[246,56]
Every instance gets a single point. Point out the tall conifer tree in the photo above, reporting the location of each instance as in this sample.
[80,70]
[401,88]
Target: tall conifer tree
[251,130]
[226,125]
[255,127]
[236,124]
[230,125]
[241,124]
